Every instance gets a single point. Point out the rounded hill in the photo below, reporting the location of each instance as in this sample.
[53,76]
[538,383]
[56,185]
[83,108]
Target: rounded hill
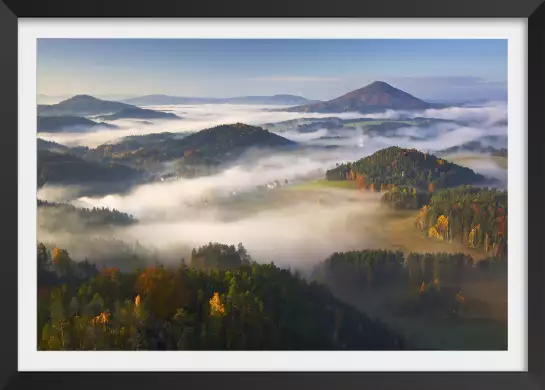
[395,166]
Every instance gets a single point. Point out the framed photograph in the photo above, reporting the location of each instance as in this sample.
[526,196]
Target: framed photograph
[273,195]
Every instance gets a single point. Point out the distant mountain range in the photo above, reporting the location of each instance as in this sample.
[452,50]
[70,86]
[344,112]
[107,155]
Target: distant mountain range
[375,97]
[159,100]
[85,106]
[139,113]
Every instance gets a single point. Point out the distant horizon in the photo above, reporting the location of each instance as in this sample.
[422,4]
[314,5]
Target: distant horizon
[120,97]
[317,69]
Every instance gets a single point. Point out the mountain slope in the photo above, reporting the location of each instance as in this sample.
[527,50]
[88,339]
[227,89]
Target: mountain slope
[85,105]
[139,113]
[375,97]
[54,124]
[82,105]
[209,147]
[232,139]
[158,100]
[287,100]
[404,167]
[70,169]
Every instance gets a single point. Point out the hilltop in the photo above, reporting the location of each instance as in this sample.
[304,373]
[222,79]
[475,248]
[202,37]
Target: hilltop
[191,154]
[85,105]
[223,139]
[375,97]
[82,105]
[216,144]
[404,167]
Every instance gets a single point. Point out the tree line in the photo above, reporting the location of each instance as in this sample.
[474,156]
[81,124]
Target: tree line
[96,216]
[436,279]
[477,217]
[224,304]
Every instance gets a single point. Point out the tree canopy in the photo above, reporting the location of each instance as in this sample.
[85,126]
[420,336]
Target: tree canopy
[395,166]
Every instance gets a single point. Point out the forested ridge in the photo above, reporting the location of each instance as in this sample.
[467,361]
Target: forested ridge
[69,169]
[142,157]
[236,305]
[96,216]
[476,217]
[395,166]
[220,298]
[418,285]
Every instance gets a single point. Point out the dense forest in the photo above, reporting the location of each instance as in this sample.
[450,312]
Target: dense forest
[395,166]
[53,124]
[409,198]
[108,294]
[426,284]
[234,305]
[213,145]
[54,147]
[69,169]
[143,158]
[105,251]
[95,216]
[222,299]
[476,217]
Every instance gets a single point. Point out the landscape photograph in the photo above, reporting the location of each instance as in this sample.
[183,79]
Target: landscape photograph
[272,194]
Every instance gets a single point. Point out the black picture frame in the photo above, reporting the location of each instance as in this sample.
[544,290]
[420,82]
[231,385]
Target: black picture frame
[11,10]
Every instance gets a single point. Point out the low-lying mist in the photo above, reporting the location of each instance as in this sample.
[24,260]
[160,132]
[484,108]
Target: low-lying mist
[193,118]
[297,228]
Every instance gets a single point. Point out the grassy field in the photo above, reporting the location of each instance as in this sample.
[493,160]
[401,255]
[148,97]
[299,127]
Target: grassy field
[399,232]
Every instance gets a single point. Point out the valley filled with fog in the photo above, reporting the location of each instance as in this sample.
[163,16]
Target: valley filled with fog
[292,227]
[271,194]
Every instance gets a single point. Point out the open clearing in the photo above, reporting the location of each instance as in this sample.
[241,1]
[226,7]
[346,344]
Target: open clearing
[395,230]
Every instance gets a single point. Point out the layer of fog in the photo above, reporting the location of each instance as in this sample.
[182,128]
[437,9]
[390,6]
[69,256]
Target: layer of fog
[487,114]
[192,118]
[289,228]
[484,164]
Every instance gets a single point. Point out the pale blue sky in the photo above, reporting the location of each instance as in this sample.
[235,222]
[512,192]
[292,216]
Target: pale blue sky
[318,69]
